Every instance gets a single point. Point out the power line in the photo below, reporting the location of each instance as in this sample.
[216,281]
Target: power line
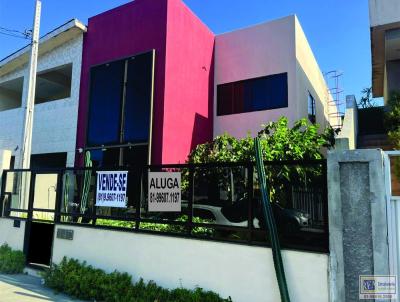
[15,33]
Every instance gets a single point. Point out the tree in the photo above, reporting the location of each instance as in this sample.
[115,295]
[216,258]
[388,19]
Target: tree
[279,142]
[366,100]
[392,119]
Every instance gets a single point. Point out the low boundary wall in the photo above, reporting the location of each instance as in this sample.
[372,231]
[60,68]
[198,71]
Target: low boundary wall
[246,273]
[13,236]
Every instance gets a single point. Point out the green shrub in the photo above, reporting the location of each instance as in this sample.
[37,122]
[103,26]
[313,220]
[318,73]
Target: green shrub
[11,262]
[87,283]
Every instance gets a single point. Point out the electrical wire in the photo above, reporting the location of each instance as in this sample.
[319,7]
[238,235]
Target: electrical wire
[15,33]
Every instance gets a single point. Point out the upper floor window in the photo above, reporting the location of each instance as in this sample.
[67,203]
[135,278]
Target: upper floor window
[269,92]
[120,102]
[53,84]
[11,94]
[311,109]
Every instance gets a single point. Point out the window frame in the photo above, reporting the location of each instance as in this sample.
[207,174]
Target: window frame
[120,145]
[312,116]
[243,82]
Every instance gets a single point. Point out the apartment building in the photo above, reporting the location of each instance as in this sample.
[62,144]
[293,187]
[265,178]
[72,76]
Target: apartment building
[56,100]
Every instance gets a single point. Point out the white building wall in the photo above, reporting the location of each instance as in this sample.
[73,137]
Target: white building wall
[309,79]
[269,48]
[264,49]
[55,122]
[10,235]
[384,12]
[245,273]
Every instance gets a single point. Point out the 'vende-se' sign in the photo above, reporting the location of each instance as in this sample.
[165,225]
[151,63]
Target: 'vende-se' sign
[111,189]
[165,192]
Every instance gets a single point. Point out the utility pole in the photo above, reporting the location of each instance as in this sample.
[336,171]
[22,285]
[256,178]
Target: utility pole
[29,95]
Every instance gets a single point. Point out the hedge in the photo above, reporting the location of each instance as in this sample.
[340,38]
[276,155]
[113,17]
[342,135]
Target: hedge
[85,282]
[11,262]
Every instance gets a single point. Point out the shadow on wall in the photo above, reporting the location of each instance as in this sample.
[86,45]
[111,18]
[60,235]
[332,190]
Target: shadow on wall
[202,128]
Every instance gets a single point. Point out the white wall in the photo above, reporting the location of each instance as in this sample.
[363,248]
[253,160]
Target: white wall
[265,49]
[243,272]
[55,123]
[383,12]
[310,80]
[14,237]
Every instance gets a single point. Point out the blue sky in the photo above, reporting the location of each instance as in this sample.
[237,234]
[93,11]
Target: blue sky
[337,30]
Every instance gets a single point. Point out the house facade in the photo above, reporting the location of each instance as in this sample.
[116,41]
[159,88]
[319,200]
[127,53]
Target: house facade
[56,101]
[197,84]
[148,82]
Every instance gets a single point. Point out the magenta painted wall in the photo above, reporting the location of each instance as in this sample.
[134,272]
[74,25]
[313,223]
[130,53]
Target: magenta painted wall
[183,70]
[188,83]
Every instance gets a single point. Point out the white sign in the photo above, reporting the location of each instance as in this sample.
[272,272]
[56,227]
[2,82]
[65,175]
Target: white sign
[165,192]
[111,189]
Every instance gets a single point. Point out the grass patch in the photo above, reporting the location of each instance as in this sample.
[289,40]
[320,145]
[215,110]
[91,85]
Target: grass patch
[84,282]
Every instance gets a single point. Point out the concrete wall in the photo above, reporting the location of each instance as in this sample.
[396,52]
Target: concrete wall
[11,235]
[188,83]
[358,229]
[383,12]
[347,138]
[55,123]
[264,49]
[245,273]
[309,79]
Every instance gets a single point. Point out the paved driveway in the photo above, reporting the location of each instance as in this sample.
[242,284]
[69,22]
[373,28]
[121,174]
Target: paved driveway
[24,288]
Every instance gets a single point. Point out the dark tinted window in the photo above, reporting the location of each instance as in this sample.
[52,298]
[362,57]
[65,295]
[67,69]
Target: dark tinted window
[49,160]
[258,94]
[105,104]
[311,109]
[138,99]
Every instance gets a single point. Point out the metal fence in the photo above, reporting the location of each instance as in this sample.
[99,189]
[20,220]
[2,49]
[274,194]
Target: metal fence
[220,201]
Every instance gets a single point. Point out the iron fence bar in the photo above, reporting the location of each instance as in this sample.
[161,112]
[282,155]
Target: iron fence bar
[2,192]
[94,209]
[139,201]
[190,200]
[59,196]
[18,210]
[325,199]
[43,210]
[250,197]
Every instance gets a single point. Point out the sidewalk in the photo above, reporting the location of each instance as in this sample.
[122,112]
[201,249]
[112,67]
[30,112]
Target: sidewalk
[24,288]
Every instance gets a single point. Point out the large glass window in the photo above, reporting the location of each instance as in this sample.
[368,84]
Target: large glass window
[269,92]
[105,104]
[120,111]
[138,95]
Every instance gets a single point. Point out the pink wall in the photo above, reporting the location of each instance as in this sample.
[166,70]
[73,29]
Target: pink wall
[183,70]
[188,83]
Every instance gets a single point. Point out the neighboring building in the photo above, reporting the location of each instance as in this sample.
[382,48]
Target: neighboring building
[185,93]
[56,101]
[264,72]
[385,45]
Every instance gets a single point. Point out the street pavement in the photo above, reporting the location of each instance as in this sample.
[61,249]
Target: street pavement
[24,288]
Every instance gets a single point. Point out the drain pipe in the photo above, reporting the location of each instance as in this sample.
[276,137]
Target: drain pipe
[271,225]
